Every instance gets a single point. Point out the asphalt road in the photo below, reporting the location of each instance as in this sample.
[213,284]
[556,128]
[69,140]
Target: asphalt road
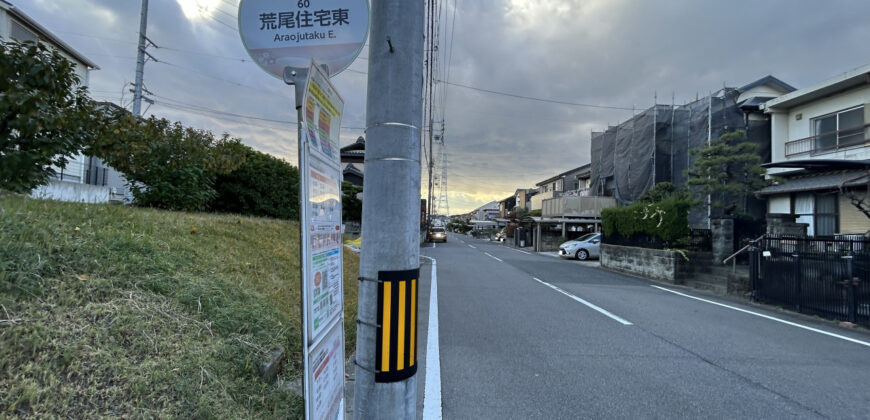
[531,336]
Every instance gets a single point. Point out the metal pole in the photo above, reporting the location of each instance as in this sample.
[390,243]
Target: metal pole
[709,142]
[753,269]
[797,281]
[298,77]
[140,59]
[655,145]
[853,307]
[391,190]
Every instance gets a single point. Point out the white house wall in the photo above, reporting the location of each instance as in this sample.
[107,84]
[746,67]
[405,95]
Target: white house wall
[4,24]
[786,127]
[760,91]
[779,204]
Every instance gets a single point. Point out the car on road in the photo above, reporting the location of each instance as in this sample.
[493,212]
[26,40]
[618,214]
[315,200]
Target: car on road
[437,234]
[582,248]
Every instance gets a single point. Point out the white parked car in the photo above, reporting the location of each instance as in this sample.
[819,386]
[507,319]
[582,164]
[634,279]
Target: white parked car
[582,248]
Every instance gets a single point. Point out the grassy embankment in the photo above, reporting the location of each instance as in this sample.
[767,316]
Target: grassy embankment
[111,311]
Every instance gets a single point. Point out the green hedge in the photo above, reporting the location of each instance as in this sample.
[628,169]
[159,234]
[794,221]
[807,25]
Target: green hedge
[667,219]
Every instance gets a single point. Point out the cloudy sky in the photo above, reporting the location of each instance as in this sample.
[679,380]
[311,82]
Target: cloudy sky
[608,53]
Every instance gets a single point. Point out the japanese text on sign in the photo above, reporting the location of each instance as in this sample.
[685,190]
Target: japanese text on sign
[304,19]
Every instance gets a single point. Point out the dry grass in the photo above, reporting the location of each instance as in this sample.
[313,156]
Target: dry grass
[109,311]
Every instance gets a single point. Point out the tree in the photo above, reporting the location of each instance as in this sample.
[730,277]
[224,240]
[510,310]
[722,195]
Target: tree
[662,191]
[729,167]
[45,115]
[262,186]
[166,164]
[351,207]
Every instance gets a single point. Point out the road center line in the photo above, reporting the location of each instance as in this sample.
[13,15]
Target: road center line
[432,390]
[596,308]
[793,324]
[472,246]
[495,258]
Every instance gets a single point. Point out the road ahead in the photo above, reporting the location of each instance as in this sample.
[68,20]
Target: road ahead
[530,336]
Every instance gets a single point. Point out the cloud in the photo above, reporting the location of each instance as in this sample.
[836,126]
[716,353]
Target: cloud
[620,53]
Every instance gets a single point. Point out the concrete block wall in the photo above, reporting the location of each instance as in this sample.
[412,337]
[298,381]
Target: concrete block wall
[72,191]
[550,241]
[657,264]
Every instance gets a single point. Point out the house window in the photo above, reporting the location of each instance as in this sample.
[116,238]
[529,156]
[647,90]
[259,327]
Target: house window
[22,34]
[818,211]
[840,129]
[826,214]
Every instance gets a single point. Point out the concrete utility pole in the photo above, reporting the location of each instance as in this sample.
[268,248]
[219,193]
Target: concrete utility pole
[140,59]
[391,204]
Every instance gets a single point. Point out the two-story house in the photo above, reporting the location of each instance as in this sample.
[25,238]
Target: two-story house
[84,178]
[820,146]
[557,185]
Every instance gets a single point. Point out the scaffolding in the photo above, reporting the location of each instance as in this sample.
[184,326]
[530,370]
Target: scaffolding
[655,146]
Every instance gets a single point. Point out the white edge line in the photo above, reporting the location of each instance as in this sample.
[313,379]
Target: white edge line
[793,324]
[519,250]
[495,258]
[432,390]
[590,305]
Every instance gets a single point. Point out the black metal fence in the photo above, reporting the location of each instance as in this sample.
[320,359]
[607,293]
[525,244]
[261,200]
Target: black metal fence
[700,240]
[829,277]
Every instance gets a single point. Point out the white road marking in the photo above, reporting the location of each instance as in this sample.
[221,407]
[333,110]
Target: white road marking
[472,246]
[793,324]
[518,250]
[432,390]
[495,258]
[596,308]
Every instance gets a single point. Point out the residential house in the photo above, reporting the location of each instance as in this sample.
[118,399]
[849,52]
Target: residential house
[655,145]
[353,161]
[523,198]
[820,144]
[506,206]
[557,185]
[486,212]
[568,209]
[84,178]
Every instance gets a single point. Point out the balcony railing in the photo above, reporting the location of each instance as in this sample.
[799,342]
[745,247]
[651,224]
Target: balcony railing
[829,142]
[567,206]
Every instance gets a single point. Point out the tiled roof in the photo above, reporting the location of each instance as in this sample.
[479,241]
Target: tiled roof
[823,181]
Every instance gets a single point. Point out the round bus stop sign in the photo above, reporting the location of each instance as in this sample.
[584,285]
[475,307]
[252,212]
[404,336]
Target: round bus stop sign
[291,33]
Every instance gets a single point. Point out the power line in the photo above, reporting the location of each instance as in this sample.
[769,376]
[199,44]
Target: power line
[553,101]
[170,102]
[201,74]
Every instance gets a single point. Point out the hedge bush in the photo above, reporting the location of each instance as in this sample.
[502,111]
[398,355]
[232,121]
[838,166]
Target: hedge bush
[262,186]
[667,219]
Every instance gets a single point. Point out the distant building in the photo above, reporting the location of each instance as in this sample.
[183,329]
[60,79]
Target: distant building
[352,174]
[557,185]
[353,161]
[524,198]
[486,212]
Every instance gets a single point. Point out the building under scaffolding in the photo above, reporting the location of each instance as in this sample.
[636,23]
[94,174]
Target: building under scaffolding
[654,146]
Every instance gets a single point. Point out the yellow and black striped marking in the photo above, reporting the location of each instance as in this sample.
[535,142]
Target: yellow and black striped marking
[396,354]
